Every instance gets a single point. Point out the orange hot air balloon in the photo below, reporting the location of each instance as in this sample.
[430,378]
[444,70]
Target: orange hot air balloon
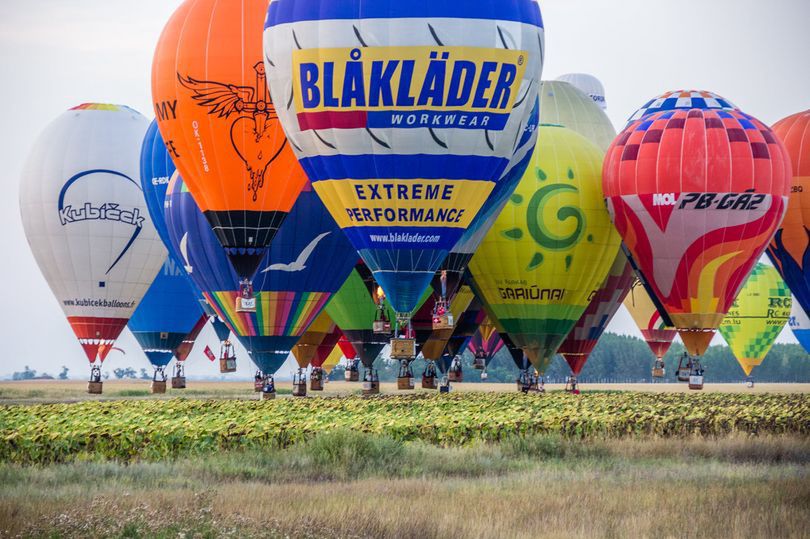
[790,248]
[696,195]
[219,124]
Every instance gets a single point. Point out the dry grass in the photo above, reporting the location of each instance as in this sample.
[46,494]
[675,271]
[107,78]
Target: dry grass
[536,487]
[46,391]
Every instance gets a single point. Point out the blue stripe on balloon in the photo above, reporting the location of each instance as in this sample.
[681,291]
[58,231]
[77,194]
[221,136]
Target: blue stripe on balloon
[403,167]
[289,11]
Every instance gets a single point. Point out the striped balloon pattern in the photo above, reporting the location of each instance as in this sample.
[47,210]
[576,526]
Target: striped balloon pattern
[405,116]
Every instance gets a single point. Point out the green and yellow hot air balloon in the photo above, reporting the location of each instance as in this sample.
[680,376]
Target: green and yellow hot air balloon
[550,248]
[757,316]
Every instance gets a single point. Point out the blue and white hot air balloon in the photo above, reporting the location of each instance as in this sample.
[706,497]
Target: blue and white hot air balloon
[405,116]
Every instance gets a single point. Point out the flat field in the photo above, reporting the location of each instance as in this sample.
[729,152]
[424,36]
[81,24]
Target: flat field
[216,462]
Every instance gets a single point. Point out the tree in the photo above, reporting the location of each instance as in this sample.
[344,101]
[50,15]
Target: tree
[64,374]
[145,375]
[120,373]
[26,374]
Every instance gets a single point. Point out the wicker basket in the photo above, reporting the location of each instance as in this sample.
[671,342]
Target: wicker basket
[178,382]
[268,395]
[227,364]
[455,376]
[300,389]
[315,384]
[158,386]
[351,376]
[405,383]
[371,388]
[658,372]
[94,388]
[428,382]
[403,348]
[696,382]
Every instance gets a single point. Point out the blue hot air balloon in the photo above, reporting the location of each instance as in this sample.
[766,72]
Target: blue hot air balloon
[308,261]
[404,115]
[170,310]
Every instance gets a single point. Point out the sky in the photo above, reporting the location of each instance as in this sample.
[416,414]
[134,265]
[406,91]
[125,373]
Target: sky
[55,54]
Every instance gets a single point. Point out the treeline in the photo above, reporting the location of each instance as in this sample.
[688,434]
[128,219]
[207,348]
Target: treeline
[626,359]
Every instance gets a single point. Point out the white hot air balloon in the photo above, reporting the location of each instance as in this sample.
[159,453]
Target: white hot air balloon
[589,85]
[85,218]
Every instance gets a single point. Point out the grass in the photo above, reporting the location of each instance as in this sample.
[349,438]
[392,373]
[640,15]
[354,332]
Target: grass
[350,484]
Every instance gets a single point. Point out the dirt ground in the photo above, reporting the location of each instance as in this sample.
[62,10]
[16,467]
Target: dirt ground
[44,391]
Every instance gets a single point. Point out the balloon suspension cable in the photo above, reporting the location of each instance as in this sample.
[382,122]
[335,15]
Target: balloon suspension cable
[444,284]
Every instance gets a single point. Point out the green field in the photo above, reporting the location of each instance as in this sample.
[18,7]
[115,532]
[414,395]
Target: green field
[422,465]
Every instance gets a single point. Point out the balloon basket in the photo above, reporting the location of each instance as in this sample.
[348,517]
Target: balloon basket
[371,388]
[316,384]
[227,364]
[428,382]
[158,386]
[479,363]
[94,388]
[381,327]
[749,382]
[404,383]
[178,382]
[456,376]
[696,382]
[403,348]
[245,305]
[268,395]
[659,372]
[258,385]
[351,376]
[444,321]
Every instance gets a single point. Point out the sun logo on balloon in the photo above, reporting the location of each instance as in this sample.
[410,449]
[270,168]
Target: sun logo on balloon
[542,232]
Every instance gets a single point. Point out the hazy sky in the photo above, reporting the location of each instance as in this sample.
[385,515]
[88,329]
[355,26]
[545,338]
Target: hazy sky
[59,53]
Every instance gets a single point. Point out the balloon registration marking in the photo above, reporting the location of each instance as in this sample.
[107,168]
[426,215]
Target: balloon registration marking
[248,104]
[108,211]
[538,228]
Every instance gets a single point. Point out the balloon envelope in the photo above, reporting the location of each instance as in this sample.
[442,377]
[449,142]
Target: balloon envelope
[550,248]
[645,314]
[696,196]
[86,220]
[216,116]
[790,248]
[166,315]
[800,325]
[757,316]
[583,337]
[683,100]
[587,84]
[563,104]
[404,116]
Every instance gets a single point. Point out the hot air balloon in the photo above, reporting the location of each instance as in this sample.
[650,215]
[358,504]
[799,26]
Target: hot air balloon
[305,266]
[221,127]
[485,344]
[332,360]
[323,352]
[167,314]
[86,221]
[432,342]
[563,104]
[170,310]
[305,351]
[653,329]
[550,248]
[404,116]
[587,84]
[347,350]
[800,325]
[696,195]
[757,317]
[682,100]
[355,310]
[790,247]
[600,311]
